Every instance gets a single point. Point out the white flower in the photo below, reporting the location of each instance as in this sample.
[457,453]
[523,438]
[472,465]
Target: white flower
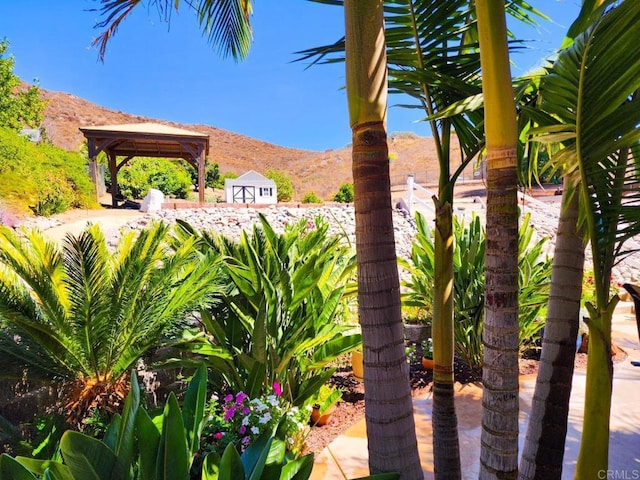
[273,400]
[265,418]
[255,430]
[259,405]
[245,421]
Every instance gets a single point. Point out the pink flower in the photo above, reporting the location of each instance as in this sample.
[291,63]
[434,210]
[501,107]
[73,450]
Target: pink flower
[218,435]
[277,389]
[245,411]
[228,398]
[241,397]
[242,430]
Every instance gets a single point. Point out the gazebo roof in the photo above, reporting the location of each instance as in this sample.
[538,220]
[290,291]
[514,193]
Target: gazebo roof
[146,140]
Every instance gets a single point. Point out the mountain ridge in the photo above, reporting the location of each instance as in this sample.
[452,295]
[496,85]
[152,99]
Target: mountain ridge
[310,171]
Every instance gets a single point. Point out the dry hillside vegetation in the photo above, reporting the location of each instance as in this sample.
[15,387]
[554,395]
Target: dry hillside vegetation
[320,172]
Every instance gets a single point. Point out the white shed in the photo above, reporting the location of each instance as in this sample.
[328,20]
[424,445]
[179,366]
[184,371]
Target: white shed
[250,187]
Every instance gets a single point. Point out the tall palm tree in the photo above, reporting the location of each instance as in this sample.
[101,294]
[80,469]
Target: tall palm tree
[388,403]
[84,315]
[543,451]
[591,101]
[499,453]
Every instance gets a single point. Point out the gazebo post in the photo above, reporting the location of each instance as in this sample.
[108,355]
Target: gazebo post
[201,174]
[113,170]
[93,165]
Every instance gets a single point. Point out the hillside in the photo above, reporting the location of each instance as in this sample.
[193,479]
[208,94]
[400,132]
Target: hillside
[321,172]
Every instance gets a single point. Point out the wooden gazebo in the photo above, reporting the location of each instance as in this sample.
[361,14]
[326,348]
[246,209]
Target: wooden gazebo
[145,140]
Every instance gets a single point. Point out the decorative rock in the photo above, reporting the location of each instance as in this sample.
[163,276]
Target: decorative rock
[152,201]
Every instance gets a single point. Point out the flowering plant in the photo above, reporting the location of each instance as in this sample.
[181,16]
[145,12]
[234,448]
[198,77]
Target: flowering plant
[589,288]
[240,420]
[416,351]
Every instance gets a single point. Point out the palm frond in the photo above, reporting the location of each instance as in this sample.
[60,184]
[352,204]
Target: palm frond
[225,23]
[591,91]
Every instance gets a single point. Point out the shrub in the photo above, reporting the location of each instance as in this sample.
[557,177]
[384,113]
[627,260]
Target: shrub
[345,193]
[18,108]
[44,177]
[283,184]
[141,174]
[311,197]
[276,322]
[469,281]
[212,175]
[222,178]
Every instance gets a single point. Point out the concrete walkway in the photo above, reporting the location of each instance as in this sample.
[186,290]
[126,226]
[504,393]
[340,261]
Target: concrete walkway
[349,451]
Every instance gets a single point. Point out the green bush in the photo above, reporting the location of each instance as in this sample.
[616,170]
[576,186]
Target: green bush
[469,281]
[345,193]
[220,182]
[141,174]
[277,320]
[212,175]
[46,178]
[311,197]
[18,107]
[283,184]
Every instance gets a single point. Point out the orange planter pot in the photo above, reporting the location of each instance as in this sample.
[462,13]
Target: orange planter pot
[427,363]
[357,364]
[317,419]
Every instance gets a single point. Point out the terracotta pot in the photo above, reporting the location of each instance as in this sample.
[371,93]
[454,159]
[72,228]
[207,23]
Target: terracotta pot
[427,363]
[357,364]
[317,419]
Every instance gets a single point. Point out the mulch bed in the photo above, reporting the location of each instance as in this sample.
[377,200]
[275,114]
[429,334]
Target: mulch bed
[351,409]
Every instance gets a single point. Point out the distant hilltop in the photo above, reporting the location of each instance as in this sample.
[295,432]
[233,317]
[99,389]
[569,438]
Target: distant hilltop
[319,172]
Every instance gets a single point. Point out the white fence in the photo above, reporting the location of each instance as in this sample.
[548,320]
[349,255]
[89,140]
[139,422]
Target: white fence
[412,198]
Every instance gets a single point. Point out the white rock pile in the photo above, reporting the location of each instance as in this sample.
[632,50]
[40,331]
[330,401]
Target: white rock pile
[231,221]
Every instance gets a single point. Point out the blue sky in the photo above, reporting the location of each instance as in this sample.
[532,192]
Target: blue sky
[169,72]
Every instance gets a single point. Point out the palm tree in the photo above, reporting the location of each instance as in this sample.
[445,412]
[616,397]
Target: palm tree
[499,453]
[590,98]
[543,451]
[389,418]
[84,315]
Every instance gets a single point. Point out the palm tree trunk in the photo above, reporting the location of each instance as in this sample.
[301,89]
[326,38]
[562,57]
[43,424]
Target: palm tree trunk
[393,446]
[543,453]
[446,447]
[499,452]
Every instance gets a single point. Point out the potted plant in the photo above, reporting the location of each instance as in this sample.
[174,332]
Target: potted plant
[427,354]
[416,323]
[325,403]
[357,363]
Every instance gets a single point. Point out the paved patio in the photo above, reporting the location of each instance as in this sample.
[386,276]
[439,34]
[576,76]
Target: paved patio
[349,451]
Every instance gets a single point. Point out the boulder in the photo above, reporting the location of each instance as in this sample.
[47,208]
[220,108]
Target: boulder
[153,201]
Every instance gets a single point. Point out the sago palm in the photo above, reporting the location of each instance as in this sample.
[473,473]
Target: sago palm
[83,315]
[590,97]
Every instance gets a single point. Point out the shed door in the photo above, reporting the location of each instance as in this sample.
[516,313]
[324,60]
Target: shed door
[244,194]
